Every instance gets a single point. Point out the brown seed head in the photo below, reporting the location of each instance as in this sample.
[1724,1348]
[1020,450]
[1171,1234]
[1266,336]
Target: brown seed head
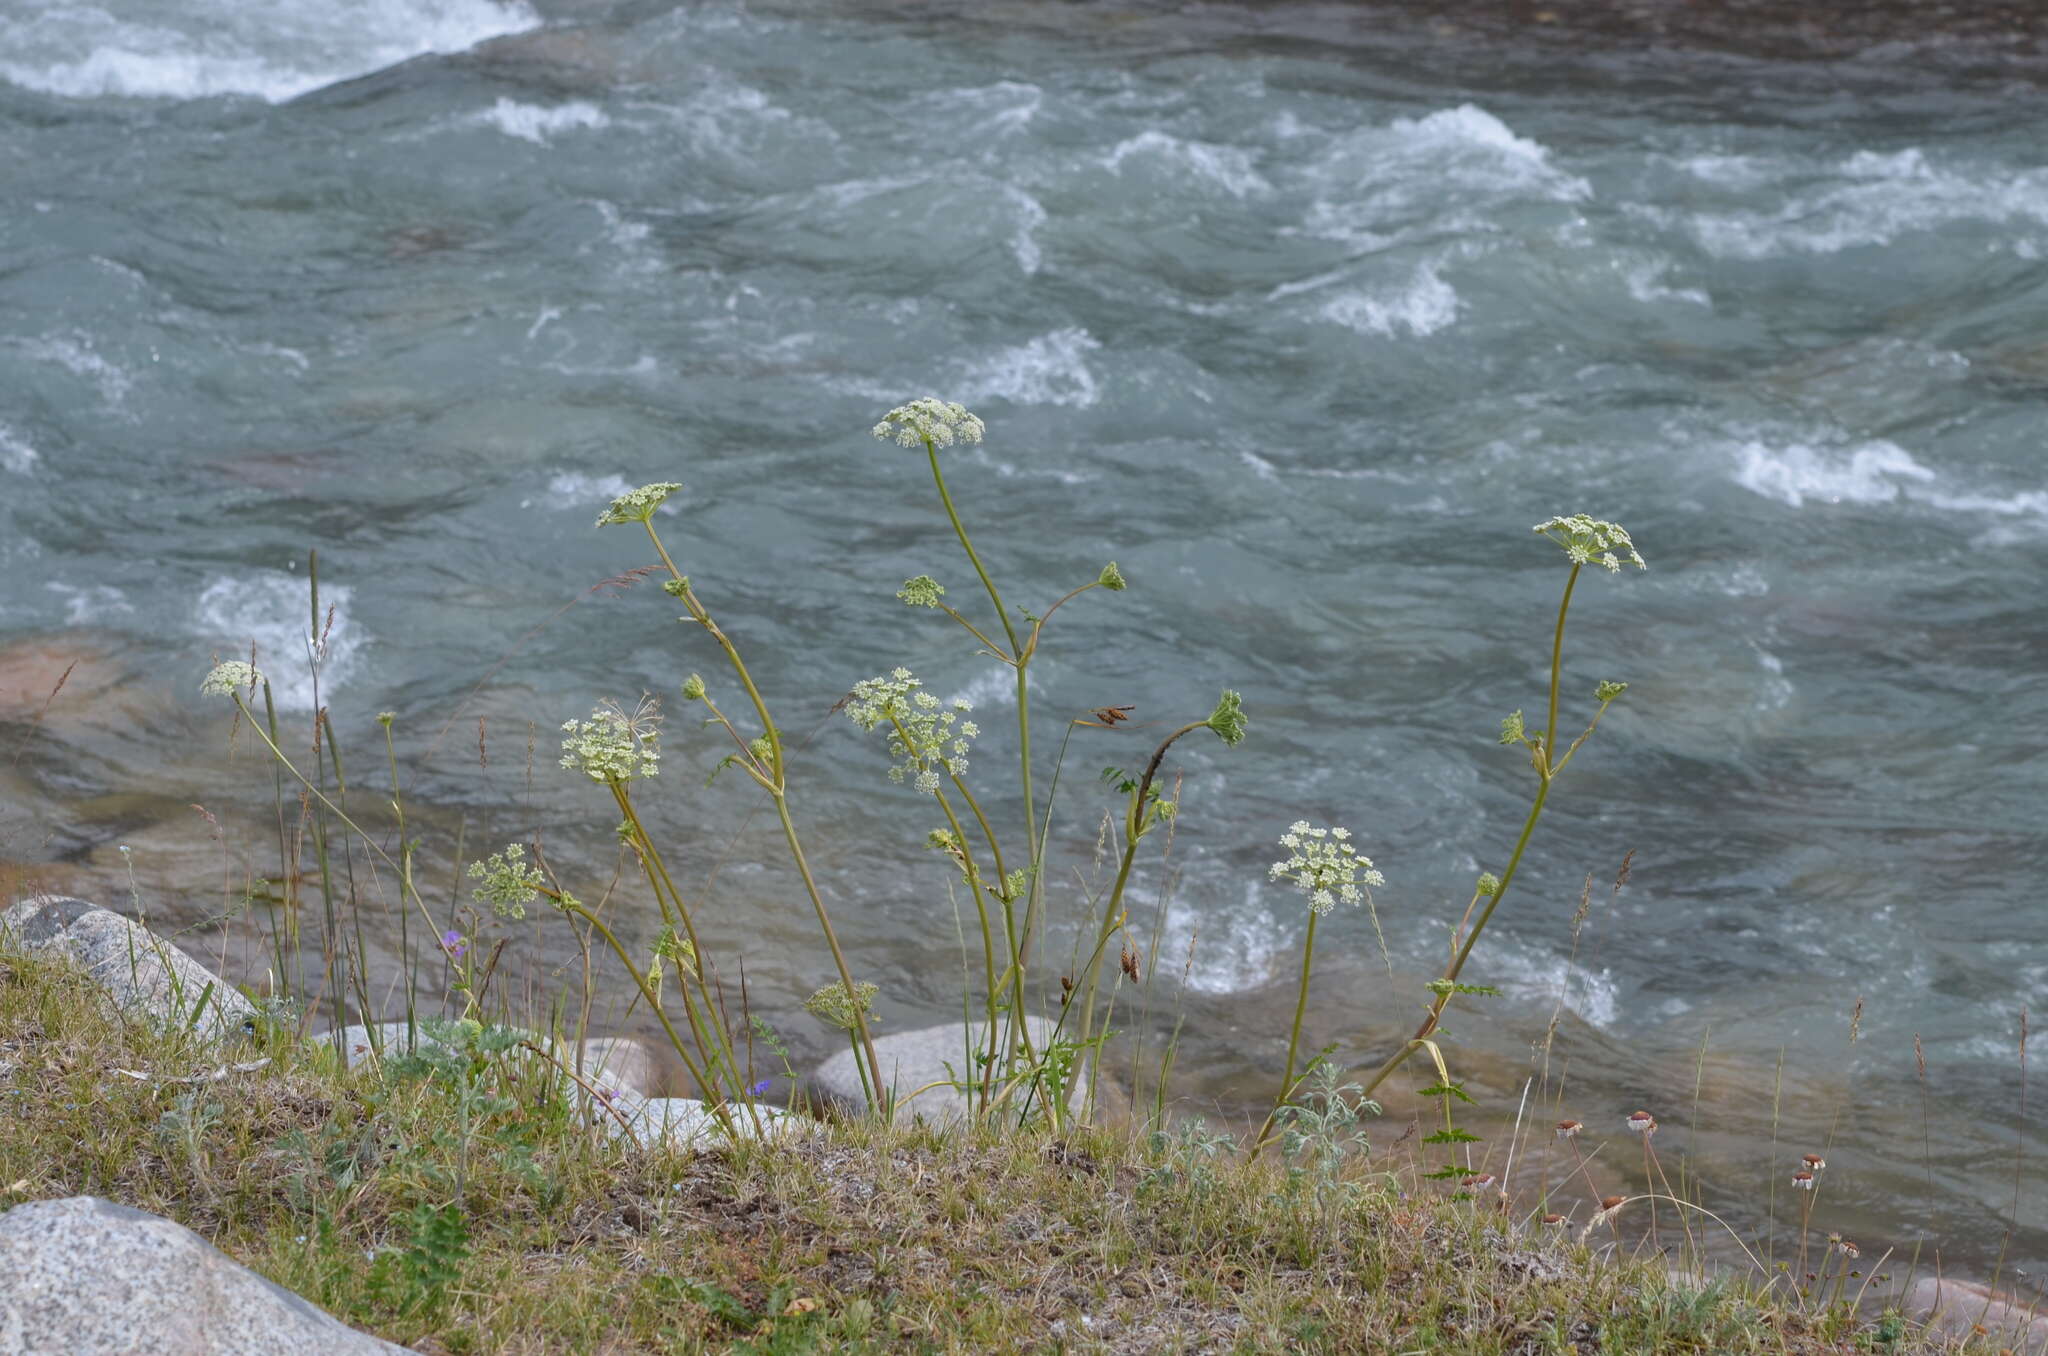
[1813,1162]
[1642,1122]
[1567,1129]
[1803,1180]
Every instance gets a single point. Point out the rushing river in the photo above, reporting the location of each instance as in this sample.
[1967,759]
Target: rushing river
[1304,329]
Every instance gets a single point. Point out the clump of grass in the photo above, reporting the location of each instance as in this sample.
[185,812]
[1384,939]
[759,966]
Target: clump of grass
[454,1203]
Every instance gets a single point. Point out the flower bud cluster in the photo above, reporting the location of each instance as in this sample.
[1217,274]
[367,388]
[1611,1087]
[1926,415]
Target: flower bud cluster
[930,421]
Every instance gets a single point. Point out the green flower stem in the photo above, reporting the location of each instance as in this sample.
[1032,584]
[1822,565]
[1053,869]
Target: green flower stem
[1020,1033]
[1308,951]
[975,631]
[1545,774]
[1038,627]
[1135,828]
[988,946]
[748,763]
[713,1098]
[1033,842]
[1002,613]
[715,1043]
[779,793]
[288,936]
[1551,765]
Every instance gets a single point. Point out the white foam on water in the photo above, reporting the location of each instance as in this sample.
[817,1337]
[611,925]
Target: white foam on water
[194,49]
[991,687]
[1227,167]
[1260,467]
[534,123]
[987,112]
[290,355]
[1776,688]
[1429,175]
[1646,284]
[1726,171]
[1232,953]
[75,355]
[89,603]
[1469,125]
[1424,306]
[1872,198]
[1870,473]
[1880,472]
[16,454]
[269,610]
[1031,215]
[1542,977]
[579,488]
[1049,370]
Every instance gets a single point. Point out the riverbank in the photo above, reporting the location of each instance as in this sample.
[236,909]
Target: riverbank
[466,1201]
[1754,28]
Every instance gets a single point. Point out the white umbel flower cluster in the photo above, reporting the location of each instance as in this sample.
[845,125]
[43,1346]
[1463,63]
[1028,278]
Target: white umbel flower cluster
[926,735]
[939,423]
[229,678]
[1590,541]
[1323,865]
[613,746]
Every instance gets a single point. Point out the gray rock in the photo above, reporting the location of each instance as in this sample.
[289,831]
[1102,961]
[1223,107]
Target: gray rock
[142,973]
[1955,1308]
[911,1062]
[88,1277]
[685,1122]
[356,1045]
[622,1064]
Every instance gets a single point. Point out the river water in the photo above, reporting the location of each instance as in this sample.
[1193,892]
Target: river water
[1303,323]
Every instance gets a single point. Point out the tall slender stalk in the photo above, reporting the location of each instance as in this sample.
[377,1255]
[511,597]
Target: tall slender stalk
[772,779]
[1547,763]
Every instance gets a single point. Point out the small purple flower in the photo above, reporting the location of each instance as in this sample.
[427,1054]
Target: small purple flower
[759,1088]
[452,943]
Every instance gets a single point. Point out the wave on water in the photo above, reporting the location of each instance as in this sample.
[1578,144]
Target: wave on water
[85,604]
[574,488]
[1871,198]
[74,353]
[531,122]
[1873,473]
[267,610]
[1377,183]
[1049,370]
[1225,950]
[1426,305]
[195,49]
[1877,472]
[1226,167]
[16,454]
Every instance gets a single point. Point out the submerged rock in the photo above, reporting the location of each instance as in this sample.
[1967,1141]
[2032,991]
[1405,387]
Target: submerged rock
[142,973]
[87,1277]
